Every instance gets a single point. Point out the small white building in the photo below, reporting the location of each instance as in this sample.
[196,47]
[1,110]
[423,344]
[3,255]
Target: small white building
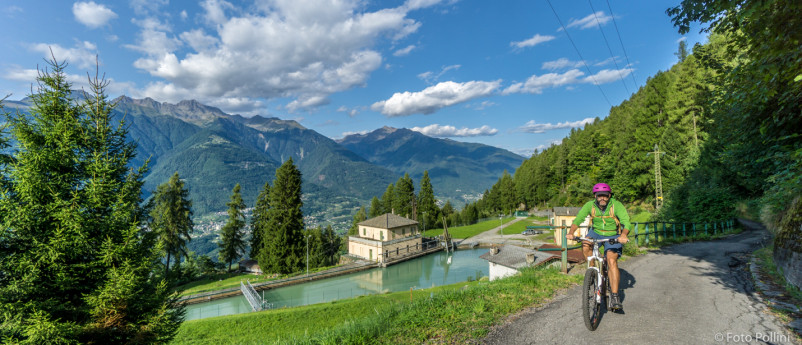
[386,238]
[506,260]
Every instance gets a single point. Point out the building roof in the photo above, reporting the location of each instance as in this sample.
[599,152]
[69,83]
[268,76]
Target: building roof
[515,257]
[388,221]
[565,211]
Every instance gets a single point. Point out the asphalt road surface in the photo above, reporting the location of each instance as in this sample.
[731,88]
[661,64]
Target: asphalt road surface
[693,293]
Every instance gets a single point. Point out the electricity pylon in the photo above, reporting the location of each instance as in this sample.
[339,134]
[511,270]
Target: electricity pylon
[658,179]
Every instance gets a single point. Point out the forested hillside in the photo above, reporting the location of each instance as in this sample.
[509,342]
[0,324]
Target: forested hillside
[727,117]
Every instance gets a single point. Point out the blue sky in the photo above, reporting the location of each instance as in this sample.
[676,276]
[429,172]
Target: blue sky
[502,73]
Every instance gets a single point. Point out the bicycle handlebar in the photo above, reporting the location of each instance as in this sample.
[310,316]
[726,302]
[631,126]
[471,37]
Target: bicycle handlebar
[611,240]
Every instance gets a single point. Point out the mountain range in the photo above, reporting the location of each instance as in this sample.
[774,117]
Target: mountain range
[212,151]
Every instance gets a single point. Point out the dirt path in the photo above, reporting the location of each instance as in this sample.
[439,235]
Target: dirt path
[693,293]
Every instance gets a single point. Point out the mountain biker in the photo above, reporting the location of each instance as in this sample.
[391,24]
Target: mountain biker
[609,219]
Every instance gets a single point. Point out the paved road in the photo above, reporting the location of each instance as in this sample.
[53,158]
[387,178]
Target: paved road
[493,236]
[693,293]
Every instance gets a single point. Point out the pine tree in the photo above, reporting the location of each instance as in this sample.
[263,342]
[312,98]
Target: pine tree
[260,221]
[331,247]
[171,219]
[358,218]
[284,252]
[232,237]
[388,199]
[75,256]
[427,207]
[404,196]
[376,208]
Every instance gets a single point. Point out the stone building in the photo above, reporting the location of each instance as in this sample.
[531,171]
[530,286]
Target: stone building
[386,238]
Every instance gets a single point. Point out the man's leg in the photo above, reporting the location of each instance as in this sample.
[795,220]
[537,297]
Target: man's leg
[614,275]
[612,270]
[587,250]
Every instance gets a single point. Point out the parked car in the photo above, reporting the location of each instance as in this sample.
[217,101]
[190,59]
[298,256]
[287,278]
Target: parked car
[531,232]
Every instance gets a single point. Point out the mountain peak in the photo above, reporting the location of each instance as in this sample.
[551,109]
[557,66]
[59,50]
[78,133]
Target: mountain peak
[188,110]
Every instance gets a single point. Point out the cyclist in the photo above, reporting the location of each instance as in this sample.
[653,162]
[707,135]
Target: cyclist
[609,219]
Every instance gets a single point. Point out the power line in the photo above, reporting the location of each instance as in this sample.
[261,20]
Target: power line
[622,42]
[590,74]
[608,46]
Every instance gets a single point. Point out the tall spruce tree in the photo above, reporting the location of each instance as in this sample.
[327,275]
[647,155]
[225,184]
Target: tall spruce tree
[171,219]
[376,208]
[388,199]
[75,256]
[427,207]
[232,237]
[284,252]
[358,218]
[404,196]
[259,221]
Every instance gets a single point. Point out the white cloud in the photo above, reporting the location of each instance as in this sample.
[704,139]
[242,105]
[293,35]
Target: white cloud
[350,112]
[528,152]
[607,76]
[282,49]
[183,15]
[91,14]
[404,51]
[682,39]
[435,97]
[536,84]
[82,55]
[429,77]
[560,64]
[345,134]
[436,130]
[535,40]
[533,127]
[590,21]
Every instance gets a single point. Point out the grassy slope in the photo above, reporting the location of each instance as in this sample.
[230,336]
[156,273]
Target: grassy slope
[456,312]
[469,230]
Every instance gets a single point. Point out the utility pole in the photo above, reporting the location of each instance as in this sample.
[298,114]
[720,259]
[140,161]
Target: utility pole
[658,179]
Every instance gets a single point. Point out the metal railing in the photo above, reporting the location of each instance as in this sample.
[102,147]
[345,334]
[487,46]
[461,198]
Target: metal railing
[256,302]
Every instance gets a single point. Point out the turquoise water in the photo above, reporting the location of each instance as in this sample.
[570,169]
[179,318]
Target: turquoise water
[424,272]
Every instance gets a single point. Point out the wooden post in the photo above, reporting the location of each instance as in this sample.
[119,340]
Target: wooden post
[563,233]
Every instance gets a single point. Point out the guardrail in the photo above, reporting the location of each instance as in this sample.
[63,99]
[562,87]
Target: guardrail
[659,233]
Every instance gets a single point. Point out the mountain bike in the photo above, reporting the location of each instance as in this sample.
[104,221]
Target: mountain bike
[596,288]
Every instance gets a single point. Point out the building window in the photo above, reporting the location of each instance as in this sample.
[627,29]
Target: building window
[381,234]
[404,231]
[364,232]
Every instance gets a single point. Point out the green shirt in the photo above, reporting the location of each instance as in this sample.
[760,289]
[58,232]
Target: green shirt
[604,226]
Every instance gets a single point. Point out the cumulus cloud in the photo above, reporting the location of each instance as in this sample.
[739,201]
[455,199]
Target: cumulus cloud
[434,98]
[590,21]
[82,55]
[404,51]
[535,40]
[560,64]
[91,14]
[350,112]
[607,75]
[280,49]
[436,130]
[528,152]
[537,83]
[533,127]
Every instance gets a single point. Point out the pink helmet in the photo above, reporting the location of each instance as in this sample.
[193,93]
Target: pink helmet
[602,187]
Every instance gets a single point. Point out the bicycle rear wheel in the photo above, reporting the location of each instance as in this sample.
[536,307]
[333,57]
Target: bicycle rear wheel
[591,309]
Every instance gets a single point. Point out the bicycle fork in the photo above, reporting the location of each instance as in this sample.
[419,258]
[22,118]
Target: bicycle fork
[599,278]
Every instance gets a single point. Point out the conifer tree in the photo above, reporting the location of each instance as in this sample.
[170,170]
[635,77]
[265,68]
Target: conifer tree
[376,208]
[75,256]
[260,221]
[171,219]
[232,237]
[404,196]
[358,218]
[427,207]
[388,199]
[284,252]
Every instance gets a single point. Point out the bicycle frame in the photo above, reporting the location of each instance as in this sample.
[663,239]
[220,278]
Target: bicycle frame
[602,278]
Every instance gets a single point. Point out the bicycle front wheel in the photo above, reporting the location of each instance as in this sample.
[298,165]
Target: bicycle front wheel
[591,309]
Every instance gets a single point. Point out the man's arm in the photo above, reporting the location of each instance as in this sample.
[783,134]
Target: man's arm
[580,217]
[623,217]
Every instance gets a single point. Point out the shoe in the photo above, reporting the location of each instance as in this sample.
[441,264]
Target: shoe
[615,302]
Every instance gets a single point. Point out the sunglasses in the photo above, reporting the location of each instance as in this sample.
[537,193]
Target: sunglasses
[602,195]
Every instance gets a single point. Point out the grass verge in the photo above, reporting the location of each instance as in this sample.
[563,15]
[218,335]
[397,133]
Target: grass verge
[232,280]
[448,314]
[469,230]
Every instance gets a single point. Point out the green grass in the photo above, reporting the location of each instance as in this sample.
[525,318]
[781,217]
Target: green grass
[469,230]
[641,217]
[765,256]
[455,313]
[520,226]
[232,280]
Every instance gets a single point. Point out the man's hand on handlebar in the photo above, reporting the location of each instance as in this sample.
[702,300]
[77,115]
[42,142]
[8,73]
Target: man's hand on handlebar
[623,239]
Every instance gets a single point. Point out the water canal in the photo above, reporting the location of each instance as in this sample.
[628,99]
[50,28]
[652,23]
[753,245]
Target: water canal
[431,270]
